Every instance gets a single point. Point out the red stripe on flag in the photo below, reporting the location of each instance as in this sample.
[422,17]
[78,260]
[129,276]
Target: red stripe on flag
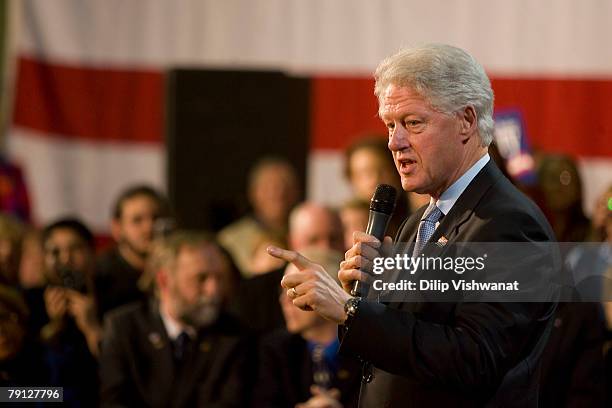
[89,103]
[564,116]
[343,109]
[561,115]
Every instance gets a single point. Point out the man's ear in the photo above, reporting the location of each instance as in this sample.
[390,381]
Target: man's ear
[116,229]
[468,122]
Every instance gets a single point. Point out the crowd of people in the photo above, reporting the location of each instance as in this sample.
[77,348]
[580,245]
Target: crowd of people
[196,318]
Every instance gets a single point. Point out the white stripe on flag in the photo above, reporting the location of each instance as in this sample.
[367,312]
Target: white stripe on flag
[71,177]
[519,37]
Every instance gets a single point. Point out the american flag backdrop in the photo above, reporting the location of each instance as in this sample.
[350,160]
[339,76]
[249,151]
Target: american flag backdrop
[89,94]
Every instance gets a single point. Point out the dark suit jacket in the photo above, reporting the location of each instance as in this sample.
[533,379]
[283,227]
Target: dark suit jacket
[573,362]
[66,361]
[458,354]
[115,282]
[137,366]
[285,373]
[257,303]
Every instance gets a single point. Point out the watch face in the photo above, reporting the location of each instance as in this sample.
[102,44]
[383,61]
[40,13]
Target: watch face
[351,306]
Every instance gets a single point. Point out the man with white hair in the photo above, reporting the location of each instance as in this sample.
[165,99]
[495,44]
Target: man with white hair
[437,103]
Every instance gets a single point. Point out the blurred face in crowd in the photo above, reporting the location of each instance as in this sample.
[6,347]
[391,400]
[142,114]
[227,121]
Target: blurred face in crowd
[11,236]
[12,333]
[315,226]
[430,149]
[66,249]
[32,262]
[367,170]
[273,193]
[194,289]
[134,229]
[602,209]
[559,182]
[297,320]
[353,219]
[9,261]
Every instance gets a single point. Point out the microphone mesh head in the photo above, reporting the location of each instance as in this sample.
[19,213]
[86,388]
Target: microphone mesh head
[383,199]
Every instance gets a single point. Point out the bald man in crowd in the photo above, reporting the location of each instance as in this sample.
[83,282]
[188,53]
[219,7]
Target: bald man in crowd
[311,225]
[315,225]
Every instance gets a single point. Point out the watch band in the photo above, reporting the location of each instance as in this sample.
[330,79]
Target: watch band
[351,307]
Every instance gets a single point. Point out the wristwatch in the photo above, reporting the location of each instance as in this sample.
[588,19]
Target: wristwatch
[350,308]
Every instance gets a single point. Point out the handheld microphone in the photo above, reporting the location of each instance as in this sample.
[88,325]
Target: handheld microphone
[381,209]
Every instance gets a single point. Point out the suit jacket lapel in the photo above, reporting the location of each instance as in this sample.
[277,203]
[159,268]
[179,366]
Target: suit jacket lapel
[403,244]
[159,350]
[408,232]
[196,361]
[450,225]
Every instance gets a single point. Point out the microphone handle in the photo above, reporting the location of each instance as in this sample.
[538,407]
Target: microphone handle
[377,226]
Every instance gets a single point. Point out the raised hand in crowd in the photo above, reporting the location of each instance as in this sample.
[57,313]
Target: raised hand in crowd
[83,309]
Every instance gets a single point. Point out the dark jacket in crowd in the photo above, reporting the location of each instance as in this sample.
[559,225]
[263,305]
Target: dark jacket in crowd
[66,359]
[25,369]
[257,303]
[572,363]
[286,373]
[115,282]
[137,365]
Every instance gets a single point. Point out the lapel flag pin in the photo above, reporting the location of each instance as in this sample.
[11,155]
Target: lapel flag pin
[156,340]
[442,241]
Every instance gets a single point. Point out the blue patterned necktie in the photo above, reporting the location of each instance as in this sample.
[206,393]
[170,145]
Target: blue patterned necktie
[426,230]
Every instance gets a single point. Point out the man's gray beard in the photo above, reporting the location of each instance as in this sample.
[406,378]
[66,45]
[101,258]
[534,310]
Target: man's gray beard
[202,315]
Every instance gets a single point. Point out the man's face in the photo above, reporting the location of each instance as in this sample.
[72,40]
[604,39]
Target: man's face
[319,229]
[426,144]
[199,282]
[368,170]
[274,192]
[297,320]
[353,219]
[136,226]
[559,183]
[66,249]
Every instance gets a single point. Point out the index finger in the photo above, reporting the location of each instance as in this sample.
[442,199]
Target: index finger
[297,259]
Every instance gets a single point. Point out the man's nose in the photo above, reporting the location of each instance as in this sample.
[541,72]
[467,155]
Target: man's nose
[398,139]
[65,257]
[210,287]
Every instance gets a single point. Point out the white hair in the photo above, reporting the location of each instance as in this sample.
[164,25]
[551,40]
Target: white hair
[449,78]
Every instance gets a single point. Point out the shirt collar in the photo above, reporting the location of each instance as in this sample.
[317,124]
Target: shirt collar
[173,328]
[449,197]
